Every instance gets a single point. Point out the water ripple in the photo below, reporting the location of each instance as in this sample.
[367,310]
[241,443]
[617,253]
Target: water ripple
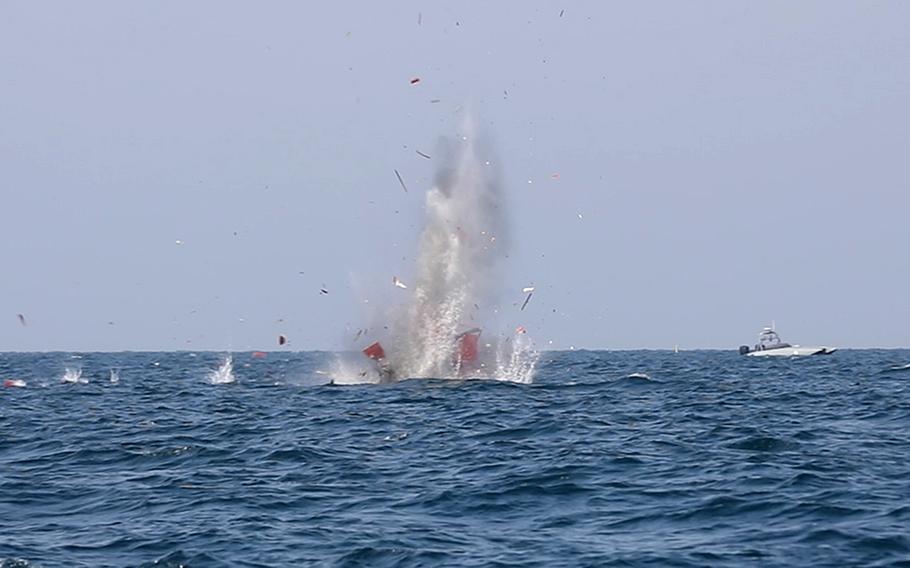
[608,459]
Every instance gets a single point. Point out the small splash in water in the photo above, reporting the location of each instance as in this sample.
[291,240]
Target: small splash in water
[73,376]
[115,376]
[224,374]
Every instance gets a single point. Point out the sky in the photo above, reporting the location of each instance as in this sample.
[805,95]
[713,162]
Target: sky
[190,175]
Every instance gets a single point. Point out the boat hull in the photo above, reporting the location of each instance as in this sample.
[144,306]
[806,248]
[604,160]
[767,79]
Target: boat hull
[792,351]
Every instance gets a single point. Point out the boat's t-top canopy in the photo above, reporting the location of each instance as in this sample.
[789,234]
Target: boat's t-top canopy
[768,339]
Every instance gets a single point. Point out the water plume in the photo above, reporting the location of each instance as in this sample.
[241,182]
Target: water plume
[224,374]
[456,285]
[73,376]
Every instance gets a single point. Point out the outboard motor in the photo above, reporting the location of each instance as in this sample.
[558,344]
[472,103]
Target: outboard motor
[743,349]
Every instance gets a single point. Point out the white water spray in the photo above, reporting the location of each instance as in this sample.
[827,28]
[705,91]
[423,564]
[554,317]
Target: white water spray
[224,374]
[457,282]
[73,376]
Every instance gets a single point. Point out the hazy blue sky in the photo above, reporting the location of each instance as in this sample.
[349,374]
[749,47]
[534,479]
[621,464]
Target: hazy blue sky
[733,163]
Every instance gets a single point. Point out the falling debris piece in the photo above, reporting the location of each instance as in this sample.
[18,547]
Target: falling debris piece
[554,176]
[561,12]
[579,216]
[434,101]
[419,153]
[521,329]
[415,80]
[282,339]
[323,290]
[21,319]
[178,242]
[375,351]
[529,290]
[398,283]
[419,18]
[401,181]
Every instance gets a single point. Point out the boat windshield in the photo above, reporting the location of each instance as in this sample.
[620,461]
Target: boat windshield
[768,339]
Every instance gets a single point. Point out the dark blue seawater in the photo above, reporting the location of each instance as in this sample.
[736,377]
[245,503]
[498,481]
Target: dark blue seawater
[713,460]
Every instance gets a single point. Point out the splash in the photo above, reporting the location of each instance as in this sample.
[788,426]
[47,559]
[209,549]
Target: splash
[224,374]
[115,376]
[458,279]
[73,376]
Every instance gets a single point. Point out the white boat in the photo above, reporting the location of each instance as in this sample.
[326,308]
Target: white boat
[770,345]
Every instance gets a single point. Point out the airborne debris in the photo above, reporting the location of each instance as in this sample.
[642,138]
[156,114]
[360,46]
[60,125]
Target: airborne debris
[529,290]
[21,319]
[374,351]
[521,329]
[561,12]
[323,290]
[415,80]
[282,339]
[419,153]
[398,283]
[401,181]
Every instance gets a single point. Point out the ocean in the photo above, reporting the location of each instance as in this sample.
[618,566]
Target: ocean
[633,458]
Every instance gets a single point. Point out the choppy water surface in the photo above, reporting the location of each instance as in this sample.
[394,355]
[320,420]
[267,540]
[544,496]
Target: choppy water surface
[626,459]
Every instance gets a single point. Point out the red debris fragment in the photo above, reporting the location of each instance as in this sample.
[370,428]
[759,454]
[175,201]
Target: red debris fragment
[467,344]
[375,351]
[260,354]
